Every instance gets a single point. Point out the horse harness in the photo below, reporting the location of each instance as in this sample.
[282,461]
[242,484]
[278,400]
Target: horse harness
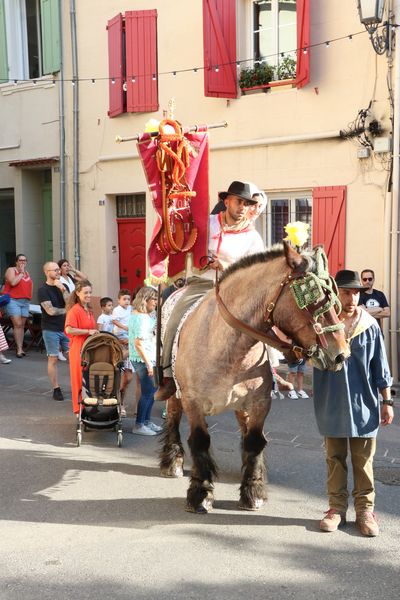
[314,293]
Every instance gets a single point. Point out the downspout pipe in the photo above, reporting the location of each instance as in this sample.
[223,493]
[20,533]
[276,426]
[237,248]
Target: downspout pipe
[75,133]
[394,262]
[61,109]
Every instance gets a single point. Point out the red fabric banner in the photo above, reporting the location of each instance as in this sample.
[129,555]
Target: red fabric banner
[197,181]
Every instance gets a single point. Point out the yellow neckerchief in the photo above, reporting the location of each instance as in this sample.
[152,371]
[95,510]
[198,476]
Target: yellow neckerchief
[365,321]
[242,225]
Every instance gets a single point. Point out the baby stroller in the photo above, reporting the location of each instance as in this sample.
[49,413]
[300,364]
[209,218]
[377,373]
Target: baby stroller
[100,402]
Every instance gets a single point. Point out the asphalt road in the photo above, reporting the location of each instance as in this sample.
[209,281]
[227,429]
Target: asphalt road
[99,522]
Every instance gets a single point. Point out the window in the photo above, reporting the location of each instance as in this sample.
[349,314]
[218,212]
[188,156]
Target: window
[132,59]
[273,42]
[275,32]
[131,206]
[282,209]
[30,47]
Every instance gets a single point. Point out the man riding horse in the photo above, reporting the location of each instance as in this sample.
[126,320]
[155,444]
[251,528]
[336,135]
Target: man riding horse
[231,236]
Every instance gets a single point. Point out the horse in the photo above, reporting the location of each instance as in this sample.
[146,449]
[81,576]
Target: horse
[222,360]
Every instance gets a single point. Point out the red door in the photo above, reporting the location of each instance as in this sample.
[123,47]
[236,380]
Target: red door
[329,224]
[132,253]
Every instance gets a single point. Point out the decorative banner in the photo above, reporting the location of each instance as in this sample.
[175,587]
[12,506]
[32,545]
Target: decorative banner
[161,260]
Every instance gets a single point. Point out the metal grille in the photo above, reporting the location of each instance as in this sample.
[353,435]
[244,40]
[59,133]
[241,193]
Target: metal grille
[131,205]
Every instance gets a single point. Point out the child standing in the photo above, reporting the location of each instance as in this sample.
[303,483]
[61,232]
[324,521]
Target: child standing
[105,320]
[296,372]
[120,320]
[3,346]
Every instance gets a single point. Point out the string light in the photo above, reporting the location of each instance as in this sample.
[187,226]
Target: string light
[216,68]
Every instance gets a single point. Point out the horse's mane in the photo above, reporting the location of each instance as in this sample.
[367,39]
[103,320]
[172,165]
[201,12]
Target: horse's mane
[275,251]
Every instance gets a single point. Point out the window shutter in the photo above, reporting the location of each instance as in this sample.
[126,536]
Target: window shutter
[141,60]
[219,38]
[50,20]
[303,41]
[115,67]
[3,46]
[329,224]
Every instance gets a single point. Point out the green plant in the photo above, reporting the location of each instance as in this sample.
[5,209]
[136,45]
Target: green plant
[259,75]
[287,68]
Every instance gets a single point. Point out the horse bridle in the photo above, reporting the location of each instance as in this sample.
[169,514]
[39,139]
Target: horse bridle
[314,294]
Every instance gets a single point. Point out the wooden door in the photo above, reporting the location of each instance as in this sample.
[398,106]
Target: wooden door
[132,252]
[47,222]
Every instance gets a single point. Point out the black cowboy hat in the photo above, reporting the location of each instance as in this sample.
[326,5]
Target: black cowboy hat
[240,189]
[349,279]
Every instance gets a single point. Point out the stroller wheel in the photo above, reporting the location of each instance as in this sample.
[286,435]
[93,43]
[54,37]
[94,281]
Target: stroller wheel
[78,438]
[119,439]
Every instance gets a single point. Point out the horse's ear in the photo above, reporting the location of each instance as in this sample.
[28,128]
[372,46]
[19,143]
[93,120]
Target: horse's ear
[293,258]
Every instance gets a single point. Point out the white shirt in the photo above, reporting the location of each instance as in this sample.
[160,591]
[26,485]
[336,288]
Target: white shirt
[68,282]
[106,323]
[231,246]
[122,315]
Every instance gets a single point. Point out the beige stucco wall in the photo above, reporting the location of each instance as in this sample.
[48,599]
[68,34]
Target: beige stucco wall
[343,79]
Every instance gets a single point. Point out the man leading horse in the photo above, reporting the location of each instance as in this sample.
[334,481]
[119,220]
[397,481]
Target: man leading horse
[231,236]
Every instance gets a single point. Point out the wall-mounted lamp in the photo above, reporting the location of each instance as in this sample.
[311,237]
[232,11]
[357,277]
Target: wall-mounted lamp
[371,15]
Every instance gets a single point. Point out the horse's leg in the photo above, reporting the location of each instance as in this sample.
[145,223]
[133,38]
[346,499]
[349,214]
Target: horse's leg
[200,494]
[171,455]
[253,489]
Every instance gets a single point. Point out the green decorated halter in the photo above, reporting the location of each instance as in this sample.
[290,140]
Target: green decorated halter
[317,290]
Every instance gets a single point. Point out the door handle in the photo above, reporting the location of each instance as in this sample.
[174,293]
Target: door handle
[138,272]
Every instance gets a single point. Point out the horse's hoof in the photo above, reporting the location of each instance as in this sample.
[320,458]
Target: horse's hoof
[258,503]
[174,473]
[202,509]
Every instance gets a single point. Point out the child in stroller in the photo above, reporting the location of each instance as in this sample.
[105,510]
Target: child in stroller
[100,401]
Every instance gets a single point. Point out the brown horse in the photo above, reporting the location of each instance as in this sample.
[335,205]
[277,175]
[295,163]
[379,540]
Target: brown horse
[220,367]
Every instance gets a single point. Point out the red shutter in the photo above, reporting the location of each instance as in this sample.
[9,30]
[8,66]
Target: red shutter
[141,60]
[329,224]
[115,67]
[303,41]
[219,35]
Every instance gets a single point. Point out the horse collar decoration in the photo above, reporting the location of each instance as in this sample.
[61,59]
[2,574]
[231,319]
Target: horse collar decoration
[282,288]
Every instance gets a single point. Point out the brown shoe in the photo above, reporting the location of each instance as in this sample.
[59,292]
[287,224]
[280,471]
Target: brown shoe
[166,390]
[332,520]
[367,523]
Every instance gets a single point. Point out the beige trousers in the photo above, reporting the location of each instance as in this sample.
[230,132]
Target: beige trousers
[362,454]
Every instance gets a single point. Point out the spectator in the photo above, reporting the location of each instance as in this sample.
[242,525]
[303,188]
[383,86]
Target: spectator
[19,286]
[374,301]
[52,296]
[348,412]
[296,378]
[69,274]
[105,320]
[3,346]
[142,353]
[79,324]
[120,319]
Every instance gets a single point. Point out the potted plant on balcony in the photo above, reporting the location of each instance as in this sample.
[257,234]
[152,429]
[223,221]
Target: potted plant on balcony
[287,68]
[257,78]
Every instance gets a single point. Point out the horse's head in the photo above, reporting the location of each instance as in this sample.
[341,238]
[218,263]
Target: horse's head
[307,310]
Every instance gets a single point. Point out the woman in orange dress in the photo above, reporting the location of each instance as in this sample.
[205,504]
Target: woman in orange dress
[79,324]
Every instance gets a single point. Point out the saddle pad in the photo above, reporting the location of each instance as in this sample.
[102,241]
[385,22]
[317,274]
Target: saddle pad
[168,307]
[175,345]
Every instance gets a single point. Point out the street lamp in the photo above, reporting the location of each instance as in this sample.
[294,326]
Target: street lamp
[371,15]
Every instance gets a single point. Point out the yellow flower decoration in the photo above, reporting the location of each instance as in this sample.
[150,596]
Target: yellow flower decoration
[297,233]
[151,126]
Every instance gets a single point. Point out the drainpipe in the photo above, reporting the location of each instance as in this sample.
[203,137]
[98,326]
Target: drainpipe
[75,134]
[62,137]
[394,327]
